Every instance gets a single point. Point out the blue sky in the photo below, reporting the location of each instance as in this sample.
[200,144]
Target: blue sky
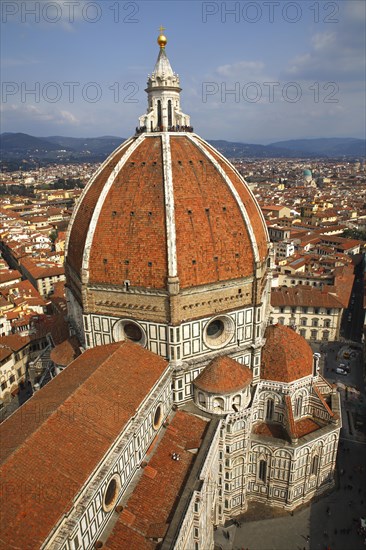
[251,71]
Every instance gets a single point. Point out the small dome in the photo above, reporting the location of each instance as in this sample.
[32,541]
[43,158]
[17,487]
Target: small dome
[286,355]
[224,375]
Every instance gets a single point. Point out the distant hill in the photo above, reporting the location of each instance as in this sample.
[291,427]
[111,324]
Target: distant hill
[25,143]
[328,147]
[23,147]
[18,146]
[99,145]
[251,150]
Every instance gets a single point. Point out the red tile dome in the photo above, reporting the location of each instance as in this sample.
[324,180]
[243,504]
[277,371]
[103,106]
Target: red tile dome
[224,375]
[286,355]
[165,204]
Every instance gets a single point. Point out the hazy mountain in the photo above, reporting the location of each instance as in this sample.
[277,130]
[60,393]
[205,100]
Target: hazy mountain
[99,145]
[251,150]
[16,146]
[329,147]
[25,143]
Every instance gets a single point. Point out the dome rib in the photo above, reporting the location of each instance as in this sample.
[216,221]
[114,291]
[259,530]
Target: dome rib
[169,206]
[100,202]
[251,208]
[83,211]
[233,191]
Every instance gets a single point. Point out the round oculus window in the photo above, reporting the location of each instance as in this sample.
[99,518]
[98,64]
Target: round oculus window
[158,417]
[215,329]
[219,332]
[111,493]
[129,330]
[132,332]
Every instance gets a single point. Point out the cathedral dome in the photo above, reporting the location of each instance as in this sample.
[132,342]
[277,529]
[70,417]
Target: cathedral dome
[166,231]
[165,205]
[286,355]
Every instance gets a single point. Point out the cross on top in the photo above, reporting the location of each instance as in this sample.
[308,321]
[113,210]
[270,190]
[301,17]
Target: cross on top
[161,28]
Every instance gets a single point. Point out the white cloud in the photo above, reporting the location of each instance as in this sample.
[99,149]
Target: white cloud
[240,69]
[31,113]
[337,54]
[67,118]
[324,41]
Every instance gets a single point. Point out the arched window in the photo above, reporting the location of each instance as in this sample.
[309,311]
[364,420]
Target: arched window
[315,322]
[169,113]
[262,473]
[202,399]
[237,400]
[314,465]
[219,403]
[159,114]
[269,409]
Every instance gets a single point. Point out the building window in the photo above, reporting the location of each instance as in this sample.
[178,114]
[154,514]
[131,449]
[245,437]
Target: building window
[314,465]
[4,385]
[262,470]
[169,113]
[159,114]
[314,334]
[219,332]
[327,323]
[304,309]
[329,312]
[132,332]
[219,403]
[129,330]
[201,399]
[303,322]
[12,379]
[314,322]
[303,333]
[281,320]
[111,493]
[158,417]
[269,409]
[326,335]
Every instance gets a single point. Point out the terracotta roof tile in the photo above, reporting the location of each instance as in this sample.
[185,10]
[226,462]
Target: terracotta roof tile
[224,375]
[85,407]
[86,205]
[154,498]
[130,238]
[63,354]
[286,355]
[271,430]
[305,426]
